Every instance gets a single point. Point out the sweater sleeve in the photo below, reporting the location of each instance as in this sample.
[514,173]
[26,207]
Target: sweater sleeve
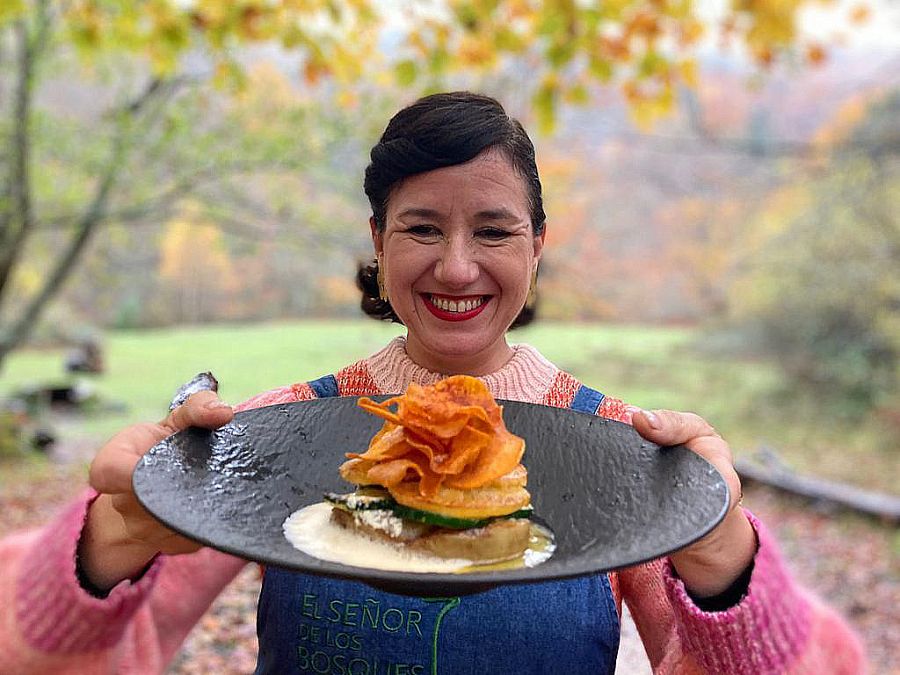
[50,624]
[777,627]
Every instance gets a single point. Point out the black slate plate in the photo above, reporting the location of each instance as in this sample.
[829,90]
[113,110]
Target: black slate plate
[611,498]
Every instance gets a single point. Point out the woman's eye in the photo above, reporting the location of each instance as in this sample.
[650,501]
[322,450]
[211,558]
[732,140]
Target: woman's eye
[423,230]
[494,233]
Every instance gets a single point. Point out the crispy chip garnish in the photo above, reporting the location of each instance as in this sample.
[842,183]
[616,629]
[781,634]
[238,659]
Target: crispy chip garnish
[505,451]
[356,471]
[448,436]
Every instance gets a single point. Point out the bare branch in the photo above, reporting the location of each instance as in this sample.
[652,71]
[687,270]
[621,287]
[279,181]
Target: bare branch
[93,216]
[152,87]
[182,186]
[16,215]
[230,205]
[16,218]
[158,89]
[66,262]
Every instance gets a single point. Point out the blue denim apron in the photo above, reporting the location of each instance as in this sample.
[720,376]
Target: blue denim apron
[312,624]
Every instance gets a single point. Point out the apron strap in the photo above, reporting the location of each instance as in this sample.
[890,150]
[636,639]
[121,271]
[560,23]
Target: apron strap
[587,400]
[325,387]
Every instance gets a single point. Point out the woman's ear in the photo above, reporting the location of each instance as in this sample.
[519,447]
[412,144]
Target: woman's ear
[539,243]
[377,239]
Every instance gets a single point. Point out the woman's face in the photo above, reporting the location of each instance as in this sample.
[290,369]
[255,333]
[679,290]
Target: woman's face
[458,254]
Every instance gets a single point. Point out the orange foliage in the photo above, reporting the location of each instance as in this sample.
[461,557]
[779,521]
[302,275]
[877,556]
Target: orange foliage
[860,13]
[196,269]
[647,47]
[815,54]
[845,120]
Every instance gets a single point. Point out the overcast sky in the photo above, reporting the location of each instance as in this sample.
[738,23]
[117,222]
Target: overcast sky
[824,20]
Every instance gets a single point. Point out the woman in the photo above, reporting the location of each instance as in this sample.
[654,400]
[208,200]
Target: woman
[458,232]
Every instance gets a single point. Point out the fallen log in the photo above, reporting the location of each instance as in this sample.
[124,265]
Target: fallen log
[766,468]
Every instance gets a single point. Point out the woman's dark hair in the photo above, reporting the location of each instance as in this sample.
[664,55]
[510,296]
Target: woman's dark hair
[434,132]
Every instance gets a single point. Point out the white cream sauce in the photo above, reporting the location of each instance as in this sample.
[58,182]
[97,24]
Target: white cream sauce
[310,530]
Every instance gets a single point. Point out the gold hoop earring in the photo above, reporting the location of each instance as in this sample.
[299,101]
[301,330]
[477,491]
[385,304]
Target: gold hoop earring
[382,291]
[532,290]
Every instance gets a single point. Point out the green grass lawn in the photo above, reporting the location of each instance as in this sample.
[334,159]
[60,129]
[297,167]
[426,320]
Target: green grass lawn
[647,366]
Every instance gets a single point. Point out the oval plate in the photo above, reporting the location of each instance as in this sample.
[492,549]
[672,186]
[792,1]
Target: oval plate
[611,498]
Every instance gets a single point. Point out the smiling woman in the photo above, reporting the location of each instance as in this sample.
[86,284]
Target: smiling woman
[457,254]
[458,228]
[458,232]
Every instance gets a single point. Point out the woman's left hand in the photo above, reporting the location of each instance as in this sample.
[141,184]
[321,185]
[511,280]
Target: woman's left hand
[709,566]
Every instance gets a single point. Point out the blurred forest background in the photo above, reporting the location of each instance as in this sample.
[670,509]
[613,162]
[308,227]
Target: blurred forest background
[180,186]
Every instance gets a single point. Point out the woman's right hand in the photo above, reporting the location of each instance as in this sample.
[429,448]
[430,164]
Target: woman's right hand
[120,537]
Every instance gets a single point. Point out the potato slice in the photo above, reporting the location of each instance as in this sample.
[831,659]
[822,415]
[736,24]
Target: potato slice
[486,502]
[501,540]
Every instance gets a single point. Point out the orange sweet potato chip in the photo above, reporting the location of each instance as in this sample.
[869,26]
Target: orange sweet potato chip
[389,443]
[379,409]
[393,472]
[505,453]
[449,433]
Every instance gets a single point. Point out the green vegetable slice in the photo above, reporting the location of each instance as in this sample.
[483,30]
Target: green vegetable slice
[372,499]
[438,520]
[362,500]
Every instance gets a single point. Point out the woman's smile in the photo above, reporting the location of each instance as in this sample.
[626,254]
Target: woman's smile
[455,308]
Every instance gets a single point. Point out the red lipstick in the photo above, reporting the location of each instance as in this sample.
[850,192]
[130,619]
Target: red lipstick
[455,316]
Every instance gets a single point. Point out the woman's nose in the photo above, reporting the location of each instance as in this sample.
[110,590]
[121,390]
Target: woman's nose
[457,266]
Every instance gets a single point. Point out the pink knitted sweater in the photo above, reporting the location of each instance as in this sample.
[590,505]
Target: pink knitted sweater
[49,624]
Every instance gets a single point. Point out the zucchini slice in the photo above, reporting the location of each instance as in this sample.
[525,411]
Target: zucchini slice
[362,500]
[438,520]
[379,499]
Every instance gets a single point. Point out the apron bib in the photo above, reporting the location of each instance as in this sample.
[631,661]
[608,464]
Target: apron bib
[313,624]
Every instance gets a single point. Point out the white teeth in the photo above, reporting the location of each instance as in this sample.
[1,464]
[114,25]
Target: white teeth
[456,306]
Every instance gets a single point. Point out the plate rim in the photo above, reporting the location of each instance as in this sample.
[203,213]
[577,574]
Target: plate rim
[396,579]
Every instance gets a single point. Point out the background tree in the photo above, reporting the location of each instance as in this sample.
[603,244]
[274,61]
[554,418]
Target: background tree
[820,281]
[157,52]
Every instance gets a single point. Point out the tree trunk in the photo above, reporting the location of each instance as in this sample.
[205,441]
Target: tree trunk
[64,266]
[93,216]
[767,469]
[16,217]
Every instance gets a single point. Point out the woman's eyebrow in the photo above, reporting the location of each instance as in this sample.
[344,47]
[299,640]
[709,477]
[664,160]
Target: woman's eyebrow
[415,212]
[500,213]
